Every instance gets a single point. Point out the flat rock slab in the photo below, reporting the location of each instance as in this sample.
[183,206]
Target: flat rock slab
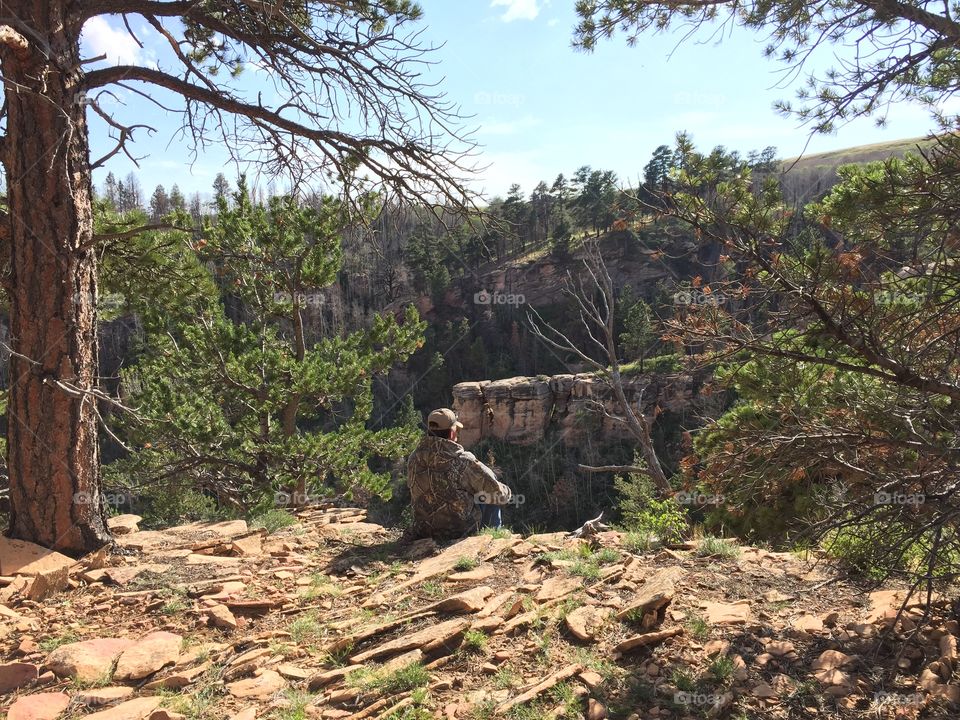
[144,540]
[885,604]
[249,713]
[156,650]
[498,546]
[655,594]
[471,548]
[179,679]
[495,603]
[101,697]
[6,612]
[183,534]
[481,573]
[88,660]
[553,541]
[264,684]
[832,659]
[827,667]
[353,529]
[401,661]
[125,573]
[220,616]
[42,706]
[431,636]
[585,622]
[646,639]
[294,672]
[15,675]
[136,709]
[205,530]
[807,624]
[469,601]
[229,589]
[18,557]
[250,546]
[720,613]
[124,524]
[321,680]
[488,624]
[557,587]
[45,584]
[197,559]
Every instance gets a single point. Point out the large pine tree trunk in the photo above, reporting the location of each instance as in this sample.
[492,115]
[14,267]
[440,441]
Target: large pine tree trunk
[53,454]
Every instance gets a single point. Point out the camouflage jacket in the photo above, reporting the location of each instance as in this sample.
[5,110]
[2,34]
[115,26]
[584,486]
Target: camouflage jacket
[445,484]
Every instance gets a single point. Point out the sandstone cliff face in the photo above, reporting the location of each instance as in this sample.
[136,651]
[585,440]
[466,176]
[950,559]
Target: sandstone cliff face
[520,410]
[541,281]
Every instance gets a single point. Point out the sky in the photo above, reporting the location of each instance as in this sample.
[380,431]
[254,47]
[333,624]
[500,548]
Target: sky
[536,106]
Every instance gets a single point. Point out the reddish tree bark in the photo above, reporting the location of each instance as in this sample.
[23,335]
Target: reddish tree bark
[53,453]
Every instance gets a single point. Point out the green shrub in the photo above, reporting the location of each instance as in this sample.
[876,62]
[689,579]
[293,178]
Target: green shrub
[167,505]
[637,542]
[871,548]
[464,564]
[409,677]
[474,641]
[710,546]
[699,628]
[721,668]
[305,630]
[496,533]
[643,513]
[273,520]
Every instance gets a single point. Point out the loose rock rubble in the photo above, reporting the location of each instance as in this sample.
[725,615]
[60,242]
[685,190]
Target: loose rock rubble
[334,618]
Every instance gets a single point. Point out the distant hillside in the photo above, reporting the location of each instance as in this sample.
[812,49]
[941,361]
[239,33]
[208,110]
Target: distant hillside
[810,176]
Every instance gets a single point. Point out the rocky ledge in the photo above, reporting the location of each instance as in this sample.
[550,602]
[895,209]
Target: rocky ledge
[520,410]
[332,618]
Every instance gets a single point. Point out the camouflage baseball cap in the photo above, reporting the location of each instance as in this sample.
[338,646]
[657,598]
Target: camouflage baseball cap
[443,419]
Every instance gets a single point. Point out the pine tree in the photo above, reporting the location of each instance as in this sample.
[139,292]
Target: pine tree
[228,402]
[177,201]
[221,188]
[111,191]
[159,203]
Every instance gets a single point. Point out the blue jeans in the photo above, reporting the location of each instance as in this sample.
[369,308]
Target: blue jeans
[490,516]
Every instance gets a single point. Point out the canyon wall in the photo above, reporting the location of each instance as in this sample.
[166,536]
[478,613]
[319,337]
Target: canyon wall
[520,410]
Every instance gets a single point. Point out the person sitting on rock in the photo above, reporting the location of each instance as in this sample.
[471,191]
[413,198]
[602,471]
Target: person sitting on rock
[453,494]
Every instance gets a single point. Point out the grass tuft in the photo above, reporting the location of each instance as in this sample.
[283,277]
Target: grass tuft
[272,520]
[464,564]
[710,546]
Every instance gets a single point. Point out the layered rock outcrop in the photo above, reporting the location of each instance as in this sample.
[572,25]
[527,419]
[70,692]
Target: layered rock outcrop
[520,410]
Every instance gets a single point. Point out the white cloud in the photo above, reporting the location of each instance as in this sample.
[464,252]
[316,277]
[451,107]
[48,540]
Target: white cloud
[100,38]
[517,9]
